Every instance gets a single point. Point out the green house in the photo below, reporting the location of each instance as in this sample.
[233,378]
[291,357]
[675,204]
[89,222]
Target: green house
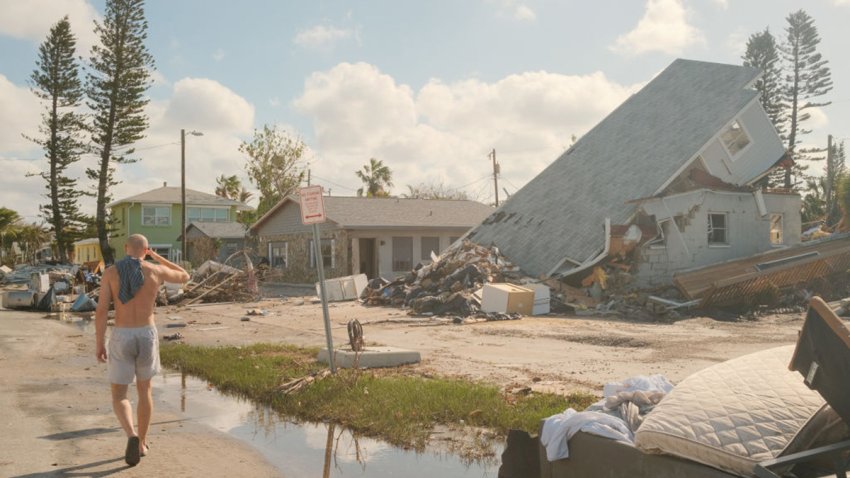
[157,215]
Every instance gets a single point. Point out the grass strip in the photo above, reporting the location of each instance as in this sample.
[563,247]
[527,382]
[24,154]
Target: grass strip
[397,405]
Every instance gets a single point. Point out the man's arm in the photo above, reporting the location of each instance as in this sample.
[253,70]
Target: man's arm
[170,272]
[104,301]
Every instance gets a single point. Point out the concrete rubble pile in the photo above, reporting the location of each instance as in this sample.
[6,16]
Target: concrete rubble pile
[448,285]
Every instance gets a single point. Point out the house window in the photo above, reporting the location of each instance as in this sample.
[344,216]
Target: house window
[328,259]
[776,229]
[402,254]
[164,251]
[207,214]
[279,254]
[718,229]
[735,138]
[430,244]
[156,215]
[452,240]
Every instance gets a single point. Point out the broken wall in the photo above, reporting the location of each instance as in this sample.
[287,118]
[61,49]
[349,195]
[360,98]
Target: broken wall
[687,246]
[750,161]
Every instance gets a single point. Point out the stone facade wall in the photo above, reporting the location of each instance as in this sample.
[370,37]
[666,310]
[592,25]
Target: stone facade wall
[297,268]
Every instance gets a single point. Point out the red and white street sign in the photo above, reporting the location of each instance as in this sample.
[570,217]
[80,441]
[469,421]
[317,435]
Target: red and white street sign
[312,205]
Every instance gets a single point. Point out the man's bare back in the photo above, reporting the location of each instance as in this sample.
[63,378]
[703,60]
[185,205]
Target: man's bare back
[139,311]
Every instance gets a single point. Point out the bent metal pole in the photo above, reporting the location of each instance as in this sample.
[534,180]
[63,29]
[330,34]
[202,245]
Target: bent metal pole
[320,265]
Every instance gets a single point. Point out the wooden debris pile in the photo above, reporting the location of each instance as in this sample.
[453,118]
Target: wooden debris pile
[445,286]
[216,282]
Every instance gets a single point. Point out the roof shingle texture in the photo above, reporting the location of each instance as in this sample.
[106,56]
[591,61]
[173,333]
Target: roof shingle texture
[221,230]
[629,155]
[358,212]
[171,195]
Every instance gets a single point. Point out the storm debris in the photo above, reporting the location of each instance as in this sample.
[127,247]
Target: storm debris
[446,286]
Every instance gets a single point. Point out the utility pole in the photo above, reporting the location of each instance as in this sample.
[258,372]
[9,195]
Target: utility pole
[830,180]
[308,176]
[495,175]
[183,194]
[183,251]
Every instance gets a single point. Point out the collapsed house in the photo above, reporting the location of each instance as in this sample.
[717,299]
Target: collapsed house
[671,180]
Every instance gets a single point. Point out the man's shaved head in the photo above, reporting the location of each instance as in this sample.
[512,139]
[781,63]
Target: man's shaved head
[136,246]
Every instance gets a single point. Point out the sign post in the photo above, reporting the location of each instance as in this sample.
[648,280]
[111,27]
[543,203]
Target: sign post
[313,212]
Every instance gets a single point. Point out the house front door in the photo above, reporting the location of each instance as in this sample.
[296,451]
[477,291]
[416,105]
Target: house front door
[368,258]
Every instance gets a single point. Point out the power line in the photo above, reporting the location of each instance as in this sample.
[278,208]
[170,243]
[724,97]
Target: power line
[486,176]
[509,182]
[331,182]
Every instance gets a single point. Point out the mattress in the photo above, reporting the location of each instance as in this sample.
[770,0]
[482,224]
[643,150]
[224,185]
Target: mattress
[732,415]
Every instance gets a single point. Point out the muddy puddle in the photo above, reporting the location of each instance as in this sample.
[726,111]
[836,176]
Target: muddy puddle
[301,449]
[305,449]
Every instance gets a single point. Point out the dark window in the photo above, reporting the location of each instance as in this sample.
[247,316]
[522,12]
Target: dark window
[402,254]
[718,230]
[327,253]
[430,244]
[278,254]
[452,240]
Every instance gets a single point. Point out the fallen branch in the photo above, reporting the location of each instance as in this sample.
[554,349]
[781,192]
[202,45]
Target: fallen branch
[297,384]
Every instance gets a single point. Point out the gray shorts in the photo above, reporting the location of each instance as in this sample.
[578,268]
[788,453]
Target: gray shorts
[132,352]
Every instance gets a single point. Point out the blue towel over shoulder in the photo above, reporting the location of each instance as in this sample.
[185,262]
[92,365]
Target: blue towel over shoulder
[130,278]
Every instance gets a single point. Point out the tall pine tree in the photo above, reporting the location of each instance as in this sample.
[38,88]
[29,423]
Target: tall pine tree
[807,77]
[56,82]
[116,85]
[763,54]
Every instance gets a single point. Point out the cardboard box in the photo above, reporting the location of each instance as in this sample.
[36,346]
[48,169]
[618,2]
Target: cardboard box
[507,299]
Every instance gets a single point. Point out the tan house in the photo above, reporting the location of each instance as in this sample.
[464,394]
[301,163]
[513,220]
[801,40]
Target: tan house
[374,236]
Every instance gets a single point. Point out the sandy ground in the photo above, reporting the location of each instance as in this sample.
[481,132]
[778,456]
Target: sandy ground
[550,353]
[57,419]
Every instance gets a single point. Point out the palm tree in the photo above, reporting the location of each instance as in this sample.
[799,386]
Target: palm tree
[245,195]
[228,186]
[377,179]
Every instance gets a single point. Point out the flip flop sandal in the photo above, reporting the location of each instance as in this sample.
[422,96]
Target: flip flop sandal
[131,455]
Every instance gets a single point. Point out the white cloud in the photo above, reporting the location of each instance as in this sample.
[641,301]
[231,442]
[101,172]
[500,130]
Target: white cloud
[513,9]
[736,42]
[32,19]
[722,4]
[524,12]
[841,2]
[19,115]
[274,102]
[207,105]
[444,131]
[224,117]
[323,36]
[664,27]
[818,120]
[219,54]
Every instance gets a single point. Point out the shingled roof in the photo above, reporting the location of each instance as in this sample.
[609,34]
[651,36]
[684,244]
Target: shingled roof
[171,195]
[377,213]
[559,216]
[219,230]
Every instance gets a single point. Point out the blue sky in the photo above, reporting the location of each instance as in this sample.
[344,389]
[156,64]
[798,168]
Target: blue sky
[428,87]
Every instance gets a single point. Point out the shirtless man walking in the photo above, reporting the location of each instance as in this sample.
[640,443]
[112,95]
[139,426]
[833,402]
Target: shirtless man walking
[133,351]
